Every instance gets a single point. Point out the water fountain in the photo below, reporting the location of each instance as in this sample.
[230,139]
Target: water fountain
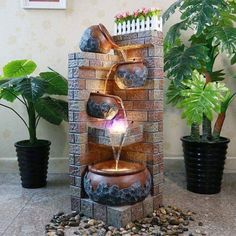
[116,165]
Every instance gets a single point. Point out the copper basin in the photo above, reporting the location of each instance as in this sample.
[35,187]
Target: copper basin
[103,106]
[131,74]
[97,39]
[130,184]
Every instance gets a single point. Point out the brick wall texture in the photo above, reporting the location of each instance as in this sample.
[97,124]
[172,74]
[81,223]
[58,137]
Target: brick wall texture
[87,73]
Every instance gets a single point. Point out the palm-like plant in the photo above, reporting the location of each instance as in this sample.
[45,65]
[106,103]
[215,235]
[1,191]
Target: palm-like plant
[211,23]
[16,83]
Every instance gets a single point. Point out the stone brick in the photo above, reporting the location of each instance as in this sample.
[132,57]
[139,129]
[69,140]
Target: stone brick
[80,116]
[137,115]
[77,170]
[87,74]
[82,95]
[95,62]
[158,178]
[71,159]
[88,55]
[157,201]
[95,85]
[136,94]
[137,211]
[77,106]
[118,216]
[155,73]
[75,204]
[137,53]
[80,138]
[155,95]
[147,105]
[78,63]
[75,191]
[77,127]
[148,206]
[153,159]
[100,211]
[154,62]
[152,137]
[151,127]
[77,181]
[87,207]
[72,180]
[155,190]
[155,116]
[154,169]
[77,148]
[154,40]
[155,51]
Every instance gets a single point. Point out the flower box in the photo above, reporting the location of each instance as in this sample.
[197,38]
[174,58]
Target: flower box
[141,20]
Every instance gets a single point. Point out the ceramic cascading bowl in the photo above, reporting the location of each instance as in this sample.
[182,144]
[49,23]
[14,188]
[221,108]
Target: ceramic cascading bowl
[128,184]
[97,39]
[131,74]
[103,106]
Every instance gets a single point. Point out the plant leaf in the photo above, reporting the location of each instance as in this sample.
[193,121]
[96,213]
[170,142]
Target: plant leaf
[201,13]
[174,33]
[233,59]
[180,61]
[31,88]
[217,75]
[225,37]
[171,10]
[57,84]
[52,110]
[201,98]
[18,68]
[7,89]
[173,93]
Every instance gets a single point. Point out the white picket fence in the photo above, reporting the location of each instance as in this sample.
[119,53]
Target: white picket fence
[150,23]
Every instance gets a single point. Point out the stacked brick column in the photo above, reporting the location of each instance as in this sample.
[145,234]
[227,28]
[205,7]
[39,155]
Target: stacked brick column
[144,106]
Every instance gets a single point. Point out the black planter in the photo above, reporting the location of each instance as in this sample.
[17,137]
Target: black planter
[33,162]
[204,164]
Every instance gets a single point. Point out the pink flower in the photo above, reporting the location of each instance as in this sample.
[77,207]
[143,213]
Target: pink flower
[145,10]
[136,13]
[119,16]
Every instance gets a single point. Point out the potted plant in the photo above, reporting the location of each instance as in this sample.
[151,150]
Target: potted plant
[194,84]
[17,83]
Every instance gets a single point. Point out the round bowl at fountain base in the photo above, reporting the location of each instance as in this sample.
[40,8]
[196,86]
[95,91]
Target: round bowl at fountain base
[128,184]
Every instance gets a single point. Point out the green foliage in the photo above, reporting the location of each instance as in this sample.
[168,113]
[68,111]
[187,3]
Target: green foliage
[228,98]
[211,27]
[181,61]
[52,110]
[32,91]
[18,68]
[56,84]
[200,13]
[201,99]
[171,10]
[173,93]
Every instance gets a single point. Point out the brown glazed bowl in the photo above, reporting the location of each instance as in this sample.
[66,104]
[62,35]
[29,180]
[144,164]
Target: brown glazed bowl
[131,75]
[116,188]
[103,106]
[97,39]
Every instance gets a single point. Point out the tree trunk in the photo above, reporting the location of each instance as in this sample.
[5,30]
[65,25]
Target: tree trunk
[195,132]
[218,125]
[206,129]
[32,122]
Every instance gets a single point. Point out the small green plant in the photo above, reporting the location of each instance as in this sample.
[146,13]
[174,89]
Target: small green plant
[17,83]
[195,85]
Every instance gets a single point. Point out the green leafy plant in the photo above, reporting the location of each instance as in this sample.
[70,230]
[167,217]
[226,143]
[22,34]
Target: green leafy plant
[17,83]
[190,65]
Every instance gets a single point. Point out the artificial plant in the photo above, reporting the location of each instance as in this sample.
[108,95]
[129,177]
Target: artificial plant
[17,83]
[210,24]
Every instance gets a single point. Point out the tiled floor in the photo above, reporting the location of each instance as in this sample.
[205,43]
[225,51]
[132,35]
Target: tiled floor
[25,212]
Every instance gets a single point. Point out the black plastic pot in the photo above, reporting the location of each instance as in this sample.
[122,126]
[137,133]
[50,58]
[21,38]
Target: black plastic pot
[33,162]
[204,164]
